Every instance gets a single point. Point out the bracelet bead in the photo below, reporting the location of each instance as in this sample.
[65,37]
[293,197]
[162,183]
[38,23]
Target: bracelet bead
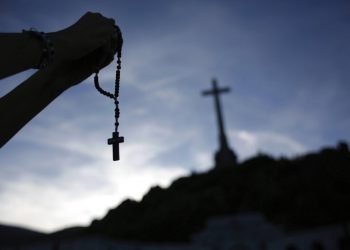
[48,49]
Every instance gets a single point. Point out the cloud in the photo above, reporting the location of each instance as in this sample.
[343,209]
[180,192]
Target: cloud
[67,175]
[249,143]
[84,190]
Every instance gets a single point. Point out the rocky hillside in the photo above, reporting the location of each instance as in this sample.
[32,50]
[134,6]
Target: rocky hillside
[304,192]
[10,234]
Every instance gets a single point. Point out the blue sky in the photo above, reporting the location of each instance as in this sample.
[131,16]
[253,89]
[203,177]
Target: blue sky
[287,63]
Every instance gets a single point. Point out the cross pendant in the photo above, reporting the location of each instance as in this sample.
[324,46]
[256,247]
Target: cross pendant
[115,140]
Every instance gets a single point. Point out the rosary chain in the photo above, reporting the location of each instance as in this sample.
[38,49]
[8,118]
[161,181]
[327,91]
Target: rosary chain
[116,90]
[99,89]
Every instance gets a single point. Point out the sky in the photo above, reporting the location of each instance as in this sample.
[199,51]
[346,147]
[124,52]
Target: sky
[286,62]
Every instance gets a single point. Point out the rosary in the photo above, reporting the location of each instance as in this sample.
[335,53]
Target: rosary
[47,56]
[115,139]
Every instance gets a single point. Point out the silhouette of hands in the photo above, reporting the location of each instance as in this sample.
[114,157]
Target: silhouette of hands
[84,48]
[73,72]
[79,50]
[88,34]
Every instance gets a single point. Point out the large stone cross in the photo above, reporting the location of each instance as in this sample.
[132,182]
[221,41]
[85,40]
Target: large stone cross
[225,156]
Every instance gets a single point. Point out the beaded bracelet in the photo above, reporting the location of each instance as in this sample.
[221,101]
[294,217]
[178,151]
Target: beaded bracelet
[48,49]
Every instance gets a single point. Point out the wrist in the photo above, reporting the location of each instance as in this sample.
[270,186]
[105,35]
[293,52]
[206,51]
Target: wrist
[47,47]
[32,47]
[57,40]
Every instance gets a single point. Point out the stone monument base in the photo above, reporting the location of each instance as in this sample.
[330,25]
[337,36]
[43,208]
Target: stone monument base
[225,158]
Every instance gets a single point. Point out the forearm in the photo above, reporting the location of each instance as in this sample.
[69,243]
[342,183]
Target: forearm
[19,106]
[19,52]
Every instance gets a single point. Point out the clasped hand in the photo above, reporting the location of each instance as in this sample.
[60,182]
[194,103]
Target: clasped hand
[85,47]
[75,53]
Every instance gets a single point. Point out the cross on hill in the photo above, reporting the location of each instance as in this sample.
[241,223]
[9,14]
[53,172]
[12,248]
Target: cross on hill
[224,157]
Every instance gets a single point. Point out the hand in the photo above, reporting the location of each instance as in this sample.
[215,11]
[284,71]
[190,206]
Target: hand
[91,32]
[73,72]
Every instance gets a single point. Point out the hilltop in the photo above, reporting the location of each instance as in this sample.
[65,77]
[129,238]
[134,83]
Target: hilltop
[304,192]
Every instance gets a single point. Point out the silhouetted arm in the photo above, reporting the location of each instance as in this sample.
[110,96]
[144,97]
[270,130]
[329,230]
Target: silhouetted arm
[20,105]
[18,52]
[22,51]
[80,50]
[28,99]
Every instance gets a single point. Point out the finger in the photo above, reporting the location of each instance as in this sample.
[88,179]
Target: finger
[107,20]
[111,21]
[95,14]
[93,61]
[110,46]
[107,30]
[115,43]
[117,40]
[105,56]
[108,59]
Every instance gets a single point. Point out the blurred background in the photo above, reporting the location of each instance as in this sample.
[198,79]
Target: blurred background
[286,62]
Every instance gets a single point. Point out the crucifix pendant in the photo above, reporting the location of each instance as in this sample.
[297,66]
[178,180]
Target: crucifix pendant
[115,140]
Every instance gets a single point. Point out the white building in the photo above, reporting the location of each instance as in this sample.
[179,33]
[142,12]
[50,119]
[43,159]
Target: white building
[252,232]
[247,231]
